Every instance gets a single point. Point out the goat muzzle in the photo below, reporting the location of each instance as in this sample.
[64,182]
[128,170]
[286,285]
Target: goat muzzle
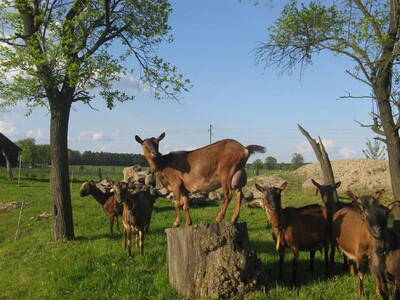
[377,232]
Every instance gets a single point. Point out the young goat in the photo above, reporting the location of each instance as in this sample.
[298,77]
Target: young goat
[299,229]
[138,207]
[106,200]
[350,233]
[385,254]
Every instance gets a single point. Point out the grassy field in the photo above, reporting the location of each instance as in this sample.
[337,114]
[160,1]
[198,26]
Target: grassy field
[95,265]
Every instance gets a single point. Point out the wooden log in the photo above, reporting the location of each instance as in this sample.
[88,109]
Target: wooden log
[213,261]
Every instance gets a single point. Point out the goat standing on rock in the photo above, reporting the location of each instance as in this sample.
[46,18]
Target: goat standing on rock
[206,169]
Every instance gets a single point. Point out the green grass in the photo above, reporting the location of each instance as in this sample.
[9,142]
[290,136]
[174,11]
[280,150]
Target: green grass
[95,265]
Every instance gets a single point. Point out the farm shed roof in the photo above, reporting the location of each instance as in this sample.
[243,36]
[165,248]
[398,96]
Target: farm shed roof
[10,149]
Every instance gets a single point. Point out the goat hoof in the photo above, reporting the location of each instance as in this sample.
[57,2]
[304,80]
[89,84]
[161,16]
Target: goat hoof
[175,225]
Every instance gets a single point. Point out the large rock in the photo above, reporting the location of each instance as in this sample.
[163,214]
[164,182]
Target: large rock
[309,189]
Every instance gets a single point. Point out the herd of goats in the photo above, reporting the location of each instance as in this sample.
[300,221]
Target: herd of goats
[359,229]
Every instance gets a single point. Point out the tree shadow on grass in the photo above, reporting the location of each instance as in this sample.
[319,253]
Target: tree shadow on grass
[305,277]
[116,236]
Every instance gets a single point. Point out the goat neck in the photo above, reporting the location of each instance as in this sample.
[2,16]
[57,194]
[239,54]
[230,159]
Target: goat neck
[273,207]
[380,244]
[276,218]
[97,194]
[155,162]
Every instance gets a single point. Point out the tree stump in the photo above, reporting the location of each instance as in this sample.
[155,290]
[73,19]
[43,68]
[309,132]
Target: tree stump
[213,260]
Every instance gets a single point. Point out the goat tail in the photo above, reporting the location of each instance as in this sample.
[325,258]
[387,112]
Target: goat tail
[256,148]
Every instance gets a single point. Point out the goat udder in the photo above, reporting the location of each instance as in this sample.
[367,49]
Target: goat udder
[239,179]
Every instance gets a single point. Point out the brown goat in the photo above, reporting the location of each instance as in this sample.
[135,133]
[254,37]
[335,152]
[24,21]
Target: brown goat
[299,229]
[327,195]
[138,207]
[385,254]
[350,234]
[106,200]
[206,169]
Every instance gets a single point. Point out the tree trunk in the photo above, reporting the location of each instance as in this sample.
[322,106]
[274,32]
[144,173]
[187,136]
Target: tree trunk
[213,261]
[8,164]
[394,169]
[392,140]
[59,176]
[323,159]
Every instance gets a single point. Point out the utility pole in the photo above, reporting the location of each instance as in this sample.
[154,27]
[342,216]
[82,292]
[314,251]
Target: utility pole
[210,131]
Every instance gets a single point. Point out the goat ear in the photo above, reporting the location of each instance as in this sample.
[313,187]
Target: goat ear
[260,188]
[138,139]
[360,208]
[162,135]
[351,195]
[283,186]
[379,194]
[394,206]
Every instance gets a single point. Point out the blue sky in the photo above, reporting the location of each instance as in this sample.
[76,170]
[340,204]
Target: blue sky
[213,44]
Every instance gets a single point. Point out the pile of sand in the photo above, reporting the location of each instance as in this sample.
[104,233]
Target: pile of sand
[358,175]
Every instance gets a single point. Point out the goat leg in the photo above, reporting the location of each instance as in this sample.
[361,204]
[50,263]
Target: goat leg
[326,254]
[361,277]
[177,204]
[111,219]
[332,257]
[141,238]
[396,294]
[136,238]
[129,241]
[227,198]
[186,210]
[294,266]
[382,290]
[125,237]
[312,256]
[346,264]
[117,222]
[239,197]
[281,261]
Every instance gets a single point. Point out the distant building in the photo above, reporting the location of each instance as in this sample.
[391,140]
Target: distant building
[10,149]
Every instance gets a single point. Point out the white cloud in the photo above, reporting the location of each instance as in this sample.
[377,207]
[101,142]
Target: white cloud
[97,136]
[38,134]
[329,145]
[305,147]
[347,153]
[85,133]
[131,84]
[8,127]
